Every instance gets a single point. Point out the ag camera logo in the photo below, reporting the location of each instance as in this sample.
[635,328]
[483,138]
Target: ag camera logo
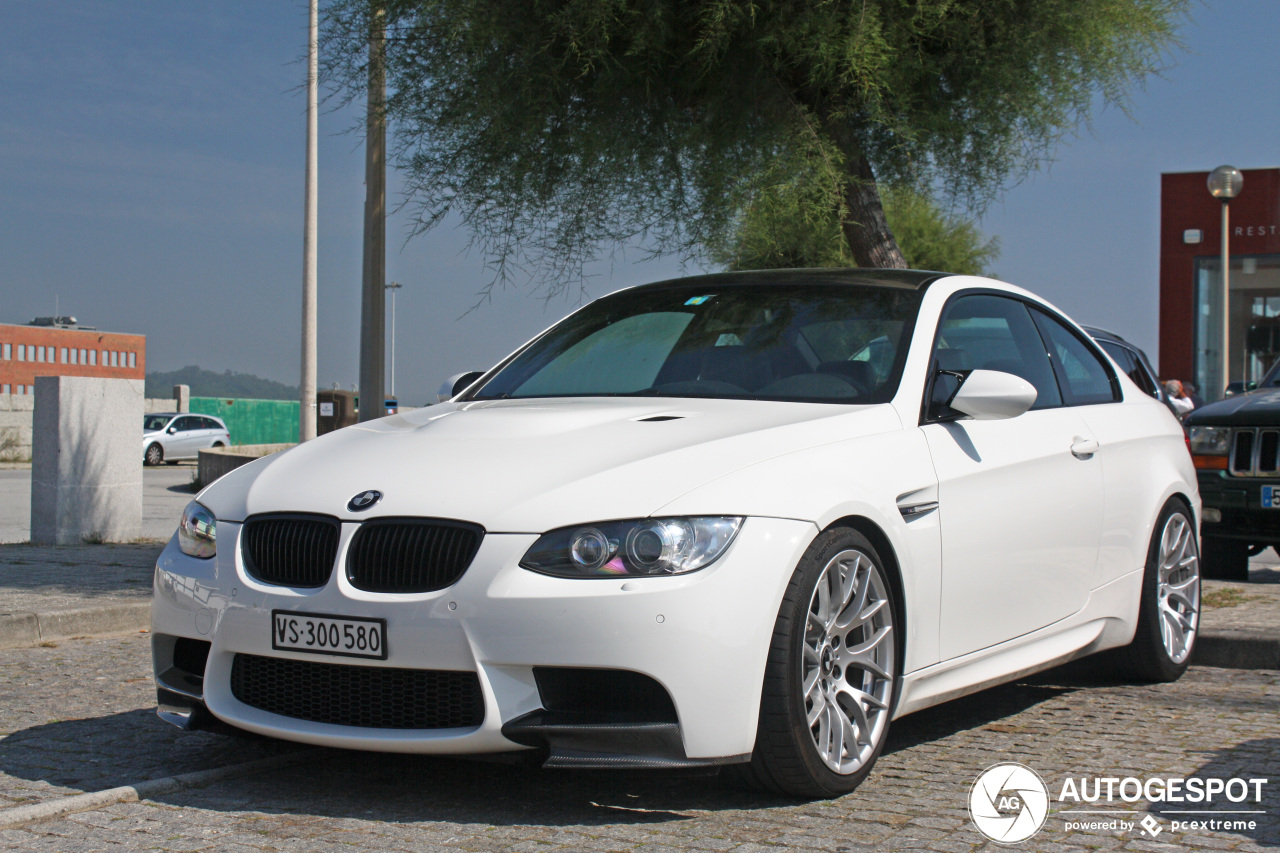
[1008,802]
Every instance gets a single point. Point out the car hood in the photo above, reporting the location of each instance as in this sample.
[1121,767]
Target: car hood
[1257,408]
[533,465]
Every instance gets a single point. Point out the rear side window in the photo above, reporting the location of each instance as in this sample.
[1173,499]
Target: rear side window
[1084,376]
[1129,363]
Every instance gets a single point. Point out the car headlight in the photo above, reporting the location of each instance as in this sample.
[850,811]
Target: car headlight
[640,548]
[197,531]
[1210,441]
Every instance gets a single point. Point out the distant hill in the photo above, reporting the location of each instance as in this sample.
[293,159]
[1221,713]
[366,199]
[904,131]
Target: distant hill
[206,383]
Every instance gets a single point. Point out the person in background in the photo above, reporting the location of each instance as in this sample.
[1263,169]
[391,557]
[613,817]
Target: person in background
[1178,397]
[1196,400]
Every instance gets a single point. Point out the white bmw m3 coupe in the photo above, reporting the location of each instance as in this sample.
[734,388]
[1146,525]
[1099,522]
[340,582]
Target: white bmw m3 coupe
[740,520]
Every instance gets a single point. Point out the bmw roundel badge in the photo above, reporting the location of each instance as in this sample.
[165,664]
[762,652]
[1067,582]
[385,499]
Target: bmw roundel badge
[364,500]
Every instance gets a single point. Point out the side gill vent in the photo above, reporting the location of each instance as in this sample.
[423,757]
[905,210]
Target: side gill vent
[655,418]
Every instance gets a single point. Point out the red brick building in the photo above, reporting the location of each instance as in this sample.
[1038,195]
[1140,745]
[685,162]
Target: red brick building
[1191,279]
[66,350]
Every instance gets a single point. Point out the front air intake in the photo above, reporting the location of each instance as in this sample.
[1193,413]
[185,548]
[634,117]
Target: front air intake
[296,550]
[373,697]
[411,554]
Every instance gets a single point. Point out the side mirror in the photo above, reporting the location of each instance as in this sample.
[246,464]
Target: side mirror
[172,430]
[456,384]
[991,395]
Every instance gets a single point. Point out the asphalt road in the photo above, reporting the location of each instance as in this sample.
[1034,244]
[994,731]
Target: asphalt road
[164,493]
[78,717]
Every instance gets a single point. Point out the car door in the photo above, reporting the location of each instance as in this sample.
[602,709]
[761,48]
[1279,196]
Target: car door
[1019,499]
[208,433]
[184,442]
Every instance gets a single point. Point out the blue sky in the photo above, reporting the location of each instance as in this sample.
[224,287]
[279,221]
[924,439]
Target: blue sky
[151,175]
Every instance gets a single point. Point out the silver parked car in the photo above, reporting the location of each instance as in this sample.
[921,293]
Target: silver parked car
[171,437]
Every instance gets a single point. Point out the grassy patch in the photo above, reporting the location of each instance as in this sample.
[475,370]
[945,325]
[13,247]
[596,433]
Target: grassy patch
[1228,596]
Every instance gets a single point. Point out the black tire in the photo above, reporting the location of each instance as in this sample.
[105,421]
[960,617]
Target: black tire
[1224,559]
[1150,657]
[154,454]
[787,758]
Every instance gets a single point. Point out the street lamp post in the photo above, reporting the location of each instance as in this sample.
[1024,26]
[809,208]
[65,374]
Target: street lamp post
[1225,183]
[393,287]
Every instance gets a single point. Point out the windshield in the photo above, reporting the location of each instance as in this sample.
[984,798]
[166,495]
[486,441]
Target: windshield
[153,423]
[816,343]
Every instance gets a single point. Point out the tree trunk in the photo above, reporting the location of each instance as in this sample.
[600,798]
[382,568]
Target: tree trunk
[865,229]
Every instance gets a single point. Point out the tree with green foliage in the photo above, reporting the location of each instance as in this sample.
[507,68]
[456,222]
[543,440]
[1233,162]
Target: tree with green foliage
[780,231]
[558,128]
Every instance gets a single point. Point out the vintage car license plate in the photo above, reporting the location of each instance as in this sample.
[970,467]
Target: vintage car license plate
[1270,498]
[328,634]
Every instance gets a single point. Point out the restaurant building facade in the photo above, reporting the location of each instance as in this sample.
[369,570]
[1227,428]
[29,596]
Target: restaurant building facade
[1191,303]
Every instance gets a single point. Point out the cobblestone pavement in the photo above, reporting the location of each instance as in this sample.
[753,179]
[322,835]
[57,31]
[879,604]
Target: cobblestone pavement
[78,718]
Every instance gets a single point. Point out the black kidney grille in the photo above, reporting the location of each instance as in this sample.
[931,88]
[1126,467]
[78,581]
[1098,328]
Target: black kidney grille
[366,696]
[290,550]
[411,555]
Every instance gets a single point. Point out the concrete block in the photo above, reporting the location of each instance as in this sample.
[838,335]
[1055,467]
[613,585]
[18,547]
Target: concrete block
[216,461]
[182,398]
[86,460]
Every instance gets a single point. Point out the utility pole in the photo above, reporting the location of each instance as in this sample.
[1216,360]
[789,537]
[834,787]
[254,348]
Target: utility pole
[393,287]
[307,385]
[373,312]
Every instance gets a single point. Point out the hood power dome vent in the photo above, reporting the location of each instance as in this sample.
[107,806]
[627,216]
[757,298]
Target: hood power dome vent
[665,416]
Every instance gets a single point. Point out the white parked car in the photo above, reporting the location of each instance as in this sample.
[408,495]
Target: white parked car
[742,520]
[171,437]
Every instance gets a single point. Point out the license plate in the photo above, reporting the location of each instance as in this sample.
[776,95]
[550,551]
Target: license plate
[326,634]
[1270,498]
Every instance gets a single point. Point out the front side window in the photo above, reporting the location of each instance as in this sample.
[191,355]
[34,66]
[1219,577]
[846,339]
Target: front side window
[815,343]
[986,332]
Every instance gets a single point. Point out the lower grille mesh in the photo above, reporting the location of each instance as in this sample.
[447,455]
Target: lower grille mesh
[365,696]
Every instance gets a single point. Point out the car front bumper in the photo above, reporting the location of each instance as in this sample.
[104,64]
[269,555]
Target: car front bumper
[703,637]
[1242,515]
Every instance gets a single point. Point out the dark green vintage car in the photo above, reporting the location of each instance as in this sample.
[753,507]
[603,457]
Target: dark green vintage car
[1235,444]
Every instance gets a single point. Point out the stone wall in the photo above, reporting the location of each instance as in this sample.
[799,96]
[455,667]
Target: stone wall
[15,427]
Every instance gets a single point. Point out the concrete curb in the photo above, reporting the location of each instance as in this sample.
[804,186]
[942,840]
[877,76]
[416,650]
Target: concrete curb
[49,809]
[29,629]
[1236,649]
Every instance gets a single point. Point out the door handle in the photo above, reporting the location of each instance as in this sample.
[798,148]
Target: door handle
[1084,448]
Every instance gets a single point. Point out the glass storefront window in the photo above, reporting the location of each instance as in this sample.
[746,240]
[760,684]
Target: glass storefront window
[1255,322]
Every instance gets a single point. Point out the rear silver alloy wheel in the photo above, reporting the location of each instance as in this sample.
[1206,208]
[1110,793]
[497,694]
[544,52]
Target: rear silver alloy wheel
[847,661]
[1178,588]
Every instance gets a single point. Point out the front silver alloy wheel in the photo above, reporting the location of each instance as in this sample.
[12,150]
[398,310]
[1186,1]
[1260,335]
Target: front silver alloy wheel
[848,661]
[1178,588]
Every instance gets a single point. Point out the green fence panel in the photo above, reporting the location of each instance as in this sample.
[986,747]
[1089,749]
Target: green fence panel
[253,421]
